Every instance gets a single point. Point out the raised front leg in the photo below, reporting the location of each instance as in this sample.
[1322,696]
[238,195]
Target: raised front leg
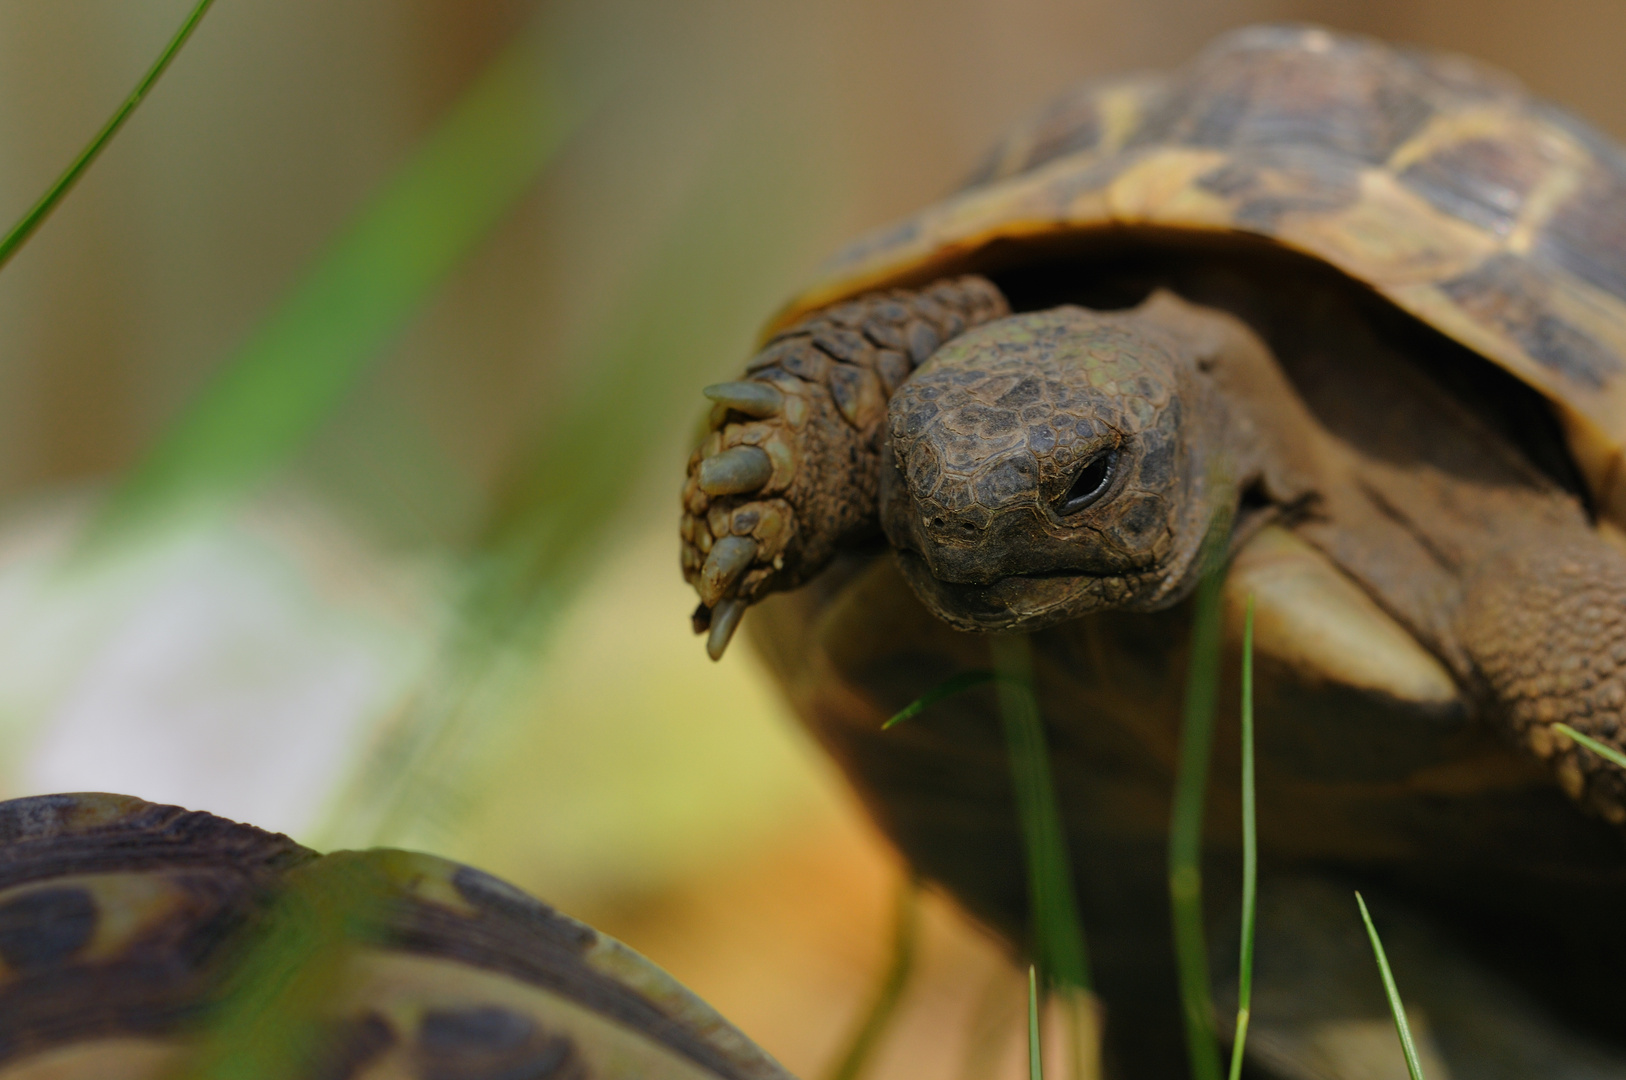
[1544,624]
[791,467]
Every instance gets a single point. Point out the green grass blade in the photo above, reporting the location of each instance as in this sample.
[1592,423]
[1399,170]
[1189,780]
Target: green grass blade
[743,217]
[1058,935]
[1082,1019]
[1396,1007]
[751,207]
[271,1020]
[302,361]
[1608,753]
[888,993]
[1186,815]
[1035,1059]
[955,684]
[1250,855]
[30,222]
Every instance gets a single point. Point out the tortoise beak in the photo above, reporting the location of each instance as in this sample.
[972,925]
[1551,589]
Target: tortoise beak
[1013,602]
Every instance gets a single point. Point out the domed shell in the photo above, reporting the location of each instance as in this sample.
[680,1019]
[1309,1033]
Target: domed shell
[1492,216]
[143,941]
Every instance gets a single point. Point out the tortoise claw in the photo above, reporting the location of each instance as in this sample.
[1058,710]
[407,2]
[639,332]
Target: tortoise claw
[725,619]
[729,558]
[744,468]
[757,399]
[785,472]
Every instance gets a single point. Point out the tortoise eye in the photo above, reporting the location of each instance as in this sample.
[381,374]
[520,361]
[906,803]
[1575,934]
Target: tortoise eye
[1090,485]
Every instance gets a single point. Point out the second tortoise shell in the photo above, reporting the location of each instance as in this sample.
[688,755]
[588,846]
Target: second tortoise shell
[140,941]
[1490,215]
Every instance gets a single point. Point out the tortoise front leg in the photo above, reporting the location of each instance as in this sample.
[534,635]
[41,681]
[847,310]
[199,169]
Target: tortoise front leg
[790,470]
[1544,625]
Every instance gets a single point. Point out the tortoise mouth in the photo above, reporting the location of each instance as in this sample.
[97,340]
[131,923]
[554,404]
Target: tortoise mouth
[1012,602]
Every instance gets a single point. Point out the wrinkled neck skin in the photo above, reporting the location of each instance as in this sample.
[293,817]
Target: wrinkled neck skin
[1061,462]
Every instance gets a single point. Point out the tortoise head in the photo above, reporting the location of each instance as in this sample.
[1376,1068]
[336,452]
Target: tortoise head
[1055,463]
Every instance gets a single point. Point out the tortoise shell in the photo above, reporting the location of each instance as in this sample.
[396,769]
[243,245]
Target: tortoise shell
[1488,214]
[1456,207]
[139,940]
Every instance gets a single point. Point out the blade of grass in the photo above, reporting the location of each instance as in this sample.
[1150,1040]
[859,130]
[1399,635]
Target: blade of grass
[1396,1007]
[1081,1016]
[1608,753]
[1186,815]
[752,203]
[883,1006]
[1250,854]
[1035,1059]
[1058,933]
[955,684]
[302,360]
[30,222]
[270,1023]
[1058,936]
[704,285]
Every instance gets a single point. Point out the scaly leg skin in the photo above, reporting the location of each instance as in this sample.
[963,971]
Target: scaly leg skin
[791,468]
[1545,626]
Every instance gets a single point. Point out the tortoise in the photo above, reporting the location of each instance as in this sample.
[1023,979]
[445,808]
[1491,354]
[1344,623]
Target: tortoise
[1359,313]
[139,940]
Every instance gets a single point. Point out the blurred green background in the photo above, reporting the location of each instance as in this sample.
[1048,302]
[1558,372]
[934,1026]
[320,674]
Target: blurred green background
[343,409]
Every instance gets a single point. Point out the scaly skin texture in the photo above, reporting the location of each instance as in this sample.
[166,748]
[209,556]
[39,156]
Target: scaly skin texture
[994,439]
[773,519]
[1491,565]
[1546,627]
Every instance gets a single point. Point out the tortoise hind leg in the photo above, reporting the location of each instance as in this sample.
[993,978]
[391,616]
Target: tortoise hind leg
[1544,626]
[790,468]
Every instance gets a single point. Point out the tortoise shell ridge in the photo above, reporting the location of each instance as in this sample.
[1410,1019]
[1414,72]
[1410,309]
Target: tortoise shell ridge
[1489,214]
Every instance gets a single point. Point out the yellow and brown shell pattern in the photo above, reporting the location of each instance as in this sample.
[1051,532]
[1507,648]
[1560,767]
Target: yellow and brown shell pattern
[144,941]
[1491,215]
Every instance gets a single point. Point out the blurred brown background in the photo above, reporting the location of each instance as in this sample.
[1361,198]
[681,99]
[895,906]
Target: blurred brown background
[670,802]
[282,116]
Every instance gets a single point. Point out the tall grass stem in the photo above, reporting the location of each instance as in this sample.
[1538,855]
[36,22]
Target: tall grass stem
[1250,855]
[1186,820]
[297,961]
[30,222]
[954,684]
[888,994]
[708,269]
[1035,1056]
[1396,1007]
[301,362]
[1058,936]
[1608,753]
